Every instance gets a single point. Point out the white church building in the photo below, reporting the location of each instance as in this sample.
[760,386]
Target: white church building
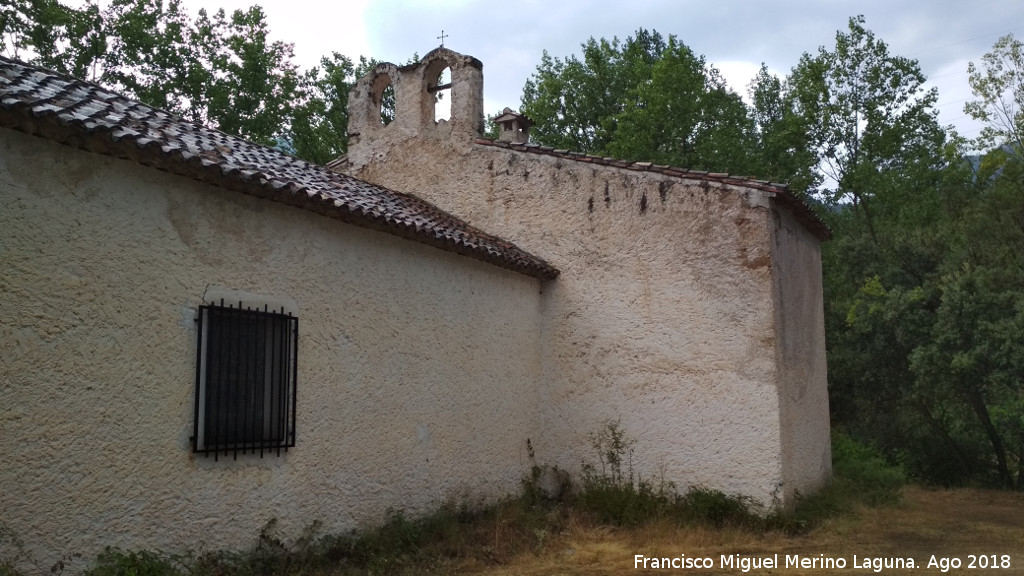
[199,334]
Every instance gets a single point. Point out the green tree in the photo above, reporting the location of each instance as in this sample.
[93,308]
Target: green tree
[974,357]
[923,294]
[574,103]
[644,99]
[217,69]
[998,85]
[685,115]
[783,152]
[56,36]
[252,82]
[899,195]
[319,128]
[873,124]
[149,53]
[27,25]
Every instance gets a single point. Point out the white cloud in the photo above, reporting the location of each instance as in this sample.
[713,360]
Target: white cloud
[315,28]
[738,75]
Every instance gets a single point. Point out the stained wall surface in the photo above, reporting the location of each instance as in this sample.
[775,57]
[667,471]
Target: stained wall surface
[669,315]
[661,319]
[802,375]
[418,369]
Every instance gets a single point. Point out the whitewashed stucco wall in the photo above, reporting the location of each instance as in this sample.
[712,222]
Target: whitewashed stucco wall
[687,310]
[663,317]
[802,375]
[418,369]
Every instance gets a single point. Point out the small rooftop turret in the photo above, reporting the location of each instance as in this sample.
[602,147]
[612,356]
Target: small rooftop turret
[514,127]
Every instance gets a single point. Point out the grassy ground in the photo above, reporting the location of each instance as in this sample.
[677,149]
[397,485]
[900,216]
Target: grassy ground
[864,519]
[946,524]
[520,537]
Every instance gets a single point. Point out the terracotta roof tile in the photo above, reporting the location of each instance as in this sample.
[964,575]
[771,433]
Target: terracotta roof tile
[85,115]
[781,192]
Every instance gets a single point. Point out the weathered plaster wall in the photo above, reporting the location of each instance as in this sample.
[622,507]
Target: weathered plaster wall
[803,378]
[418,369]
[688,310]
[662,316]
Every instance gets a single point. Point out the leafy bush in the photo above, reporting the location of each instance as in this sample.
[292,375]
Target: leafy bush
[863,472]
[613,495]
[860,475]
[623,504]
[716,508]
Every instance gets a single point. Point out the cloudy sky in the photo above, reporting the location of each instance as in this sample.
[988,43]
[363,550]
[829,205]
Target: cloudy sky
[734,35]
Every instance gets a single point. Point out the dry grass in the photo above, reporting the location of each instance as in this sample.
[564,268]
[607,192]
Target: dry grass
[941,523]
[519,538]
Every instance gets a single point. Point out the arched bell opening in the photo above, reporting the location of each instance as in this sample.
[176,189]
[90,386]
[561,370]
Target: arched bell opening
[382,99]
[440,89]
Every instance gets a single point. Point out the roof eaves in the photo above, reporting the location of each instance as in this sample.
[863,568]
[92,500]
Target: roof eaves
[86,116]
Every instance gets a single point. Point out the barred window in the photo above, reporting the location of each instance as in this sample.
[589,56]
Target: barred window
[245,381]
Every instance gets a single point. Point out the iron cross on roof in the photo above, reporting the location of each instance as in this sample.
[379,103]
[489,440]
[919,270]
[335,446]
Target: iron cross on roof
[442,37]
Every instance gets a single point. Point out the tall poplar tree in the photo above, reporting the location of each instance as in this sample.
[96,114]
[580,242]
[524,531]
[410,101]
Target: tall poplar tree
[222,70]
[643,99]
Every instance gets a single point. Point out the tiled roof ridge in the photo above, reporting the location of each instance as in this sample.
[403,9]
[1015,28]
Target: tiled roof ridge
[803,211]
[86,115]
[110,95]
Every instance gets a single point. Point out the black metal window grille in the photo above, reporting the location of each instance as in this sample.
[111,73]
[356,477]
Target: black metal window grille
[246,374]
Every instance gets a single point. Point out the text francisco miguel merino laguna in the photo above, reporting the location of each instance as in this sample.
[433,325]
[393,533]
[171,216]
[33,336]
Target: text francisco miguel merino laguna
[746,564]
